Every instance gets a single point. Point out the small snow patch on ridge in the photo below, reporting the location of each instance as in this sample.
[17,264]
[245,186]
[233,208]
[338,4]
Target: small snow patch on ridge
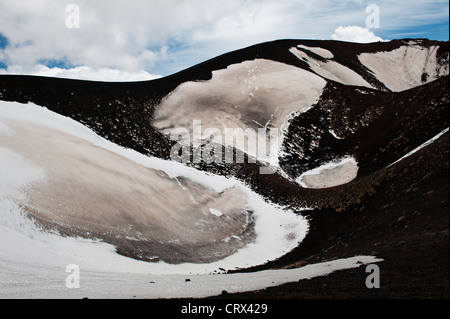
[331,69]
[324,53]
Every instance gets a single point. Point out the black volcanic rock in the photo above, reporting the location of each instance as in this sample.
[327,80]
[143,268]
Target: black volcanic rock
[398,213]
[122,112]
[377,128]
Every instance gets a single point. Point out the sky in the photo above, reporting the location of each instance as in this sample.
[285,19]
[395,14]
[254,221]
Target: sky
[144,39]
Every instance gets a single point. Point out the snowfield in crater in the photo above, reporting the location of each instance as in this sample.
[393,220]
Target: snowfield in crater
[33,260]
[89,183]
[249,96]
[403,68]
[65,192]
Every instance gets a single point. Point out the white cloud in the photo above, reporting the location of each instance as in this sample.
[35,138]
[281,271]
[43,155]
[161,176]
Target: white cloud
[164,36]
[355,34]
[82,73]
[139,35]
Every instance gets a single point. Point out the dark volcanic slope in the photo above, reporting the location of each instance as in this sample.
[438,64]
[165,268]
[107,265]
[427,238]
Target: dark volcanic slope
[377,128]
[122,112]
[348,54]
[398,213]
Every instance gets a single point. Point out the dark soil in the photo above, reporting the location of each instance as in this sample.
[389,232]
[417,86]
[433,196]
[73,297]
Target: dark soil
[404,221]
[397,213]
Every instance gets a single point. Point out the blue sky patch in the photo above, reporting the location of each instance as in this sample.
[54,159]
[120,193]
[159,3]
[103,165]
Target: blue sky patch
[53,63]
[3,42]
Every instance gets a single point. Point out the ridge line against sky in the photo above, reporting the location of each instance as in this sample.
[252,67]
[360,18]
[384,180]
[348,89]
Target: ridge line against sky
[140,40]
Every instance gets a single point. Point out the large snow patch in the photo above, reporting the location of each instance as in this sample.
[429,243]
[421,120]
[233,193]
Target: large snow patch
[64,175]
[405,67]
[250,95]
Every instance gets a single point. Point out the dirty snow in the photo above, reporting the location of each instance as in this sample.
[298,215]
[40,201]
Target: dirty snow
[331,70]
[402,69]
[248,96]
[33,262]
[331,174]
[215,212]
[324,53]
[26,177]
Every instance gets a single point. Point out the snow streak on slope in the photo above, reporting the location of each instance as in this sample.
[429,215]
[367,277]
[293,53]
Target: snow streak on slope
[249,95]
[329,69]
[405,67]
[430,141]
[67,176]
